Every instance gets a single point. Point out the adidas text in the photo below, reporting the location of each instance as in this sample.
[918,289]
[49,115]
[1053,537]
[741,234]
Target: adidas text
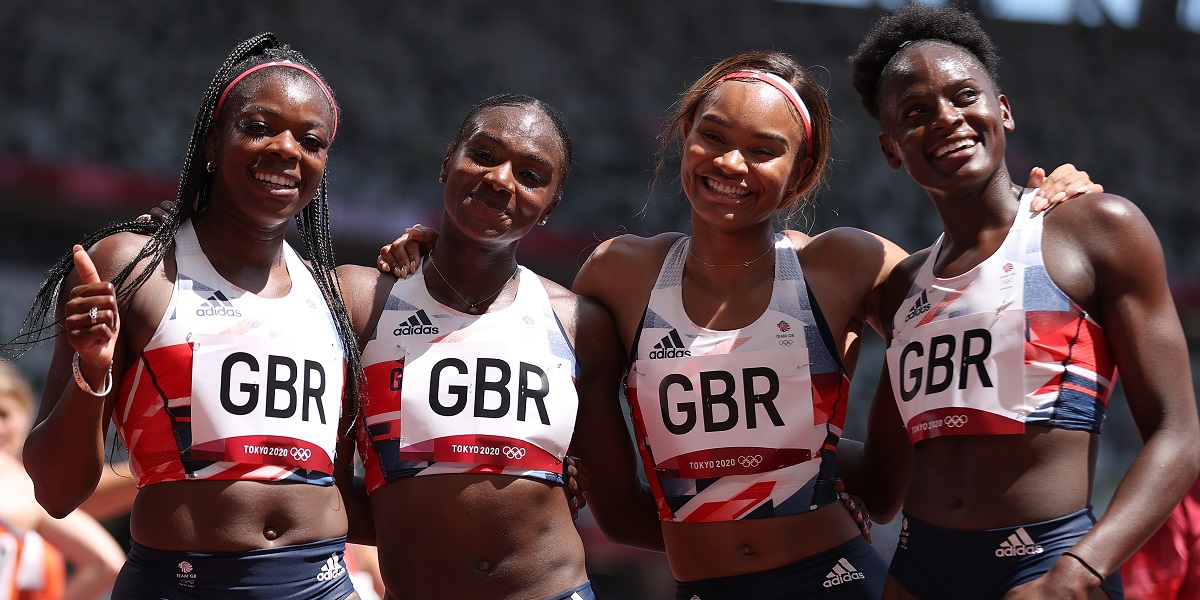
[669,353]
[415,330]
[1019,551]
[842,572]
[1018,543]
[220,311]
[843,578]
[331,570]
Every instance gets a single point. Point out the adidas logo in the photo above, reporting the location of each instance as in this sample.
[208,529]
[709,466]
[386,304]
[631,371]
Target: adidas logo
[920,307]
[843,572]
[1018,544]
[418,324]
[217,305]
[332,569]
[671,346]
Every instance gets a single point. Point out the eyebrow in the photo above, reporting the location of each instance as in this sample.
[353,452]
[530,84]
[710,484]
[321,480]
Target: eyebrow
[499,141]
[908,97]
[278,114]
[761,134]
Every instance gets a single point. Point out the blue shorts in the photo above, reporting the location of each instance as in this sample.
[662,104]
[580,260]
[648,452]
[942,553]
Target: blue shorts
[312,571]
[934,563]
[583,592]
[854,571]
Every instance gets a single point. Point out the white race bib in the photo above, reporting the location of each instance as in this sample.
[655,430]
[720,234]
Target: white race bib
[729,414]
[255,401]
[962,376]
[480,403]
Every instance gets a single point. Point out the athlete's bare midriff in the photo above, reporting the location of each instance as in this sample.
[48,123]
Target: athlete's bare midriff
[476,536]
[235,516]
[989,481]
[721,549]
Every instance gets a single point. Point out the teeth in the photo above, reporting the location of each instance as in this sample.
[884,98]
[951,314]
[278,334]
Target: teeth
[275,179]
[727,190]
[954,146]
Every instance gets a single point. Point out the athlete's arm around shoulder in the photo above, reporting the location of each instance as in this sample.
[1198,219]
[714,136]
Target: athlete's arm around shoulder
[847,268]
[624,509]
[878,469]
[64,453]
[620,273]
[365,291]
[1101,250]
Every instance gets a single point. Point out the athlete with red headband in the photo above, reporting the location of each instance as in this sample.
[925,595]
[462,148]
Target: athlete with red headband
[223,358]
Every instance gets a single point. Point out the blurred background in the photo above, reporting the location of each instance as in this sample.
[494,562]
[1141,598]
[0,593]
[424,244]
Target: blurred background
[97,100]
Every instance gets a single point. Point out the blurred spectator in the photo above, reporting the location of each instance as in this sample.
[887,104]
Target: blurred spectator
[34,546]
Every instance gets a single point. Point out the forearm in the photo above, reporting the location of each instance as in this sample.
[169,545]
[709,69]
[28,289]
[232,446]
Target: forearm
[632,521]
[64,453]
[360,527]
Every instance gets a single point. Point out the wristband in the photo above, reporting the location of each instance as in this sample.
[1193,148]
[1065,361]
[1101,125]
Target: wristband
[1085,565]
[83,384]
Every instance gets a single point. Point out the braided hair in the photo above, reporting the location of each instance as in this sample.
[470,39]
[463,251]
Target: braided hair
[195,191]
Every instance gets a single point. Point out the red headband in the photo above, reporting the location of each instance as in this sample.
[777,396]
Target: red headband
[782,85]
[282,63]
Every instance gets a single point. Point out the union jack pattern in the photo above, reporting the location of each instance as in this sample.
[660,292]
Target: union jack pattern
[1068,371]
[740,478]
[154,406]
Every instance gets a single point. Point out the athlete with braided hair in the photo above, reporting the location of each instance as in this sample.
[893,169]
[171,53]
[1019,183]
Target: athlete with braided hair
[1005,338]
[224,359]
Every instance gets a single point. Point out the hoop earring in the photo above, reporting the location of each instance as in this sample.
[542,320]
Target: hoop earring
[211,166]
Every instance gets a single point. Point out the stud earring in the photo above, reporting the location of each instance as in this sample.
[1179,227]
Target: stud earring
[211,166]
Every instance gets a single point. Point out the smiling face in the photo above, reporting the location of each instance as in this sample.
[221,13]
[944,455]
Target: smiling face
[942,118]
[504,175]
[270,143]
[739,154]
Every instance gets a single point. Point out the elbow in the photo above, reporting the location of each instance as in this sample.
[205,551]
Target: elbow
[58,494]
[54,504]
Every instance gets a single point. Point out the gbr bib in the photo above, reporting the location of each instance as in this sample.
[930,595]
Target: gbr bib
[738,424]
[233,385]
[998,347]
[455,393]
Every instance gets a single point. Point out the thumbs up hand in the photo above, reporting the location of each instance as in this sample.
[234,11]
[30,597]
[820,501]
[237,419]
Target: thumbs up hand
[91,319]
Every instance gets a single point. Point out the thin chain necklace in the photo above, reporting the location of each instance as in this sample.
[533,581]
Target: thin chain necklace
[741,264]
[472,307]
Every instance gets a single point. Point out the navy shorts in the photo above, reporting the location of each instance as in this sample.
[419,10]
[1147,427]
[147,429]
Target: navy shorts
[312,571]
[934,563]
[854,571]
[583,592]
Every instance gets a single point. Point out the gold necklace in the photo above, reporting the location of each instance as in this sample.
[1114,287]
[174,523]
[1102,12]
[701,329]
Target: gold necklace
[471,306]
[741,264]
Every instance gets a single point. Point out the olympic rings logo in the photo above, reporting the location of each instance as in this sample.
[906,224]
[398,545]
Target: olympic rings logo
[956,420]
[514,453]
[301,454]
[750,461]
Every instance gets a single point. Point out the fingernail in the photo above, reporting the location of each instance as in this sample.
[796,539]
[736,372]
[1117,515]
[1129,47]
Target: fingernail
[1060,195]
[1083,190]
